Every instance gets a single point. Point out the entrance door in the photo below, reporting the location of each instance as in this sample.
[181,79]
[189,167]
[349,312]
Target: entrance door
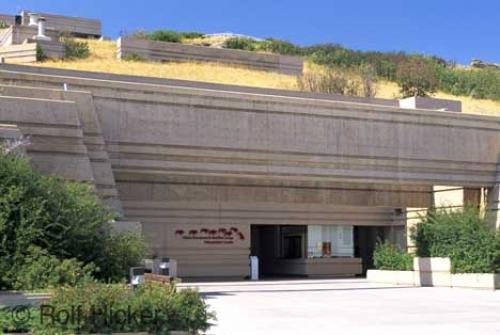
[365,240]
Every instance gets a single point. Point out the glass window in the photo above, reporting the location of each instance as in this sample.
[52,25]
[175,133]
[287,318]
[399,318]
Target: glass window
[330,241]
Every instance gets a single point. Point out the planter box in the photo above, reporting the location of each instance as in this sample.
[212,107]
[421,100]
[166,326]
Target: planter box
[432,271]
[490,281]
[391,277]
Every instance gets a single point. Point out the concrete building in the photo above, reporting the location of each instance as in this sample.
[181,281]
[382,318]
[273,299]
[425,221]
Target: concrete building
[216,173]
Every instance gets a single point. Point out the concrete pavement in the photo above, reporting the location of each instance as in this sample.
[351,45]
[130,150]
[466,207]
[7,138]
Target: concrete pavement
[348,306]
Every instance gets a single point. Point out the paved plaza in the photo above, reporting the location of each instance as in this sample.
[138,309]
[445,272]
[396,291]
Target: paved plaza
[348,306]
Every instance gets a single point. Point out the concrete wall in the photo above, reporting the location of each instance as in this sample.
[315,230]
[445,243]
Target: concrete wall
[166,51]
[20,53]
[192,158]
[8,19]
[22,33]
[78,26]
[102,175]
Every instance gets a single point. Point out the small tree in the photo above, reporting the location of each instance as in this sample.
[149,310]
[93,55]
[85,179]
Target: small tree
[416,77]
[61,220]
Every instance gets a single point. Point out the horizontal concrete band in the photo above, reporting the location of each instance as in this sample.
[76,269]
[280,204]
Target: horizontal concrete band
[166,51]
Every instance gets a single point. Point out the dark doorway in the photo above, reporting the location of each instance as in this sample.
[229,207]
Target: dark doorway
[274,242]
[365,240]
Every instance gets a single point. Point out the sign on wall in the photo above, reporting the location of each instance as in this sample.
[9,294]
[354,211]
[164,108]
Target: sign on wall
[217,235]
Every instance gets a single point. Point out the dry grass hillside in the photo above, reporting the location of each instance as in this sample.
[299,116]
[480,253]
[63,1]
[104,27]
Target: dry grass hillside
[103,59]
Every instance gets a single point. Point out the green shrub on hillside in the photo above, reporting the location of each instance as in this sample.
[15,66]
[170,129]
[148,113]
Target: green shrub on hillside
[462,235]
[388,257]
[476,83]
[75,49]
[61,220]
[240,43]
[278,46]
[168,35]
[416,77]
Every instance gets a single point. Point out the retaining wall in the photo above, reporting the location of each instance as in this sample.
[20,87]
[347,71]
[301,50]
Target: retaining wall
[78,26]
[166,51]
[20,53]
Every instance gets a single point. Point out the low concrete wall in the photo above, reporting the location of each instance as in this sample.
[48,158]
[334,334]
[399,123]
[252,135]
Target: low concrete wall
[391,277]
[435,272]
[21,53]
[165,51]
[51,49]
[78,26]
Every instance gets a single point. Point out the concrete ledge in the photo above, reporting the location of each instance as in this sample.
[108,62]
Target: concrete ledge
[391,277]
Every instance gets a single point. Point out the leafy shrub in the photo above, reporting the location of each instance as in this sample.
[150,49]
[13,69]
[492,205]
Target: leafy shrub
[157,310]
[462,235]
[74,49]
[40,54]
[38,269]
[65,219]
[388,257]
[477,83]
[168,35]
[240,43]
[416,77]
[3,24]
[278,46]
[330,81]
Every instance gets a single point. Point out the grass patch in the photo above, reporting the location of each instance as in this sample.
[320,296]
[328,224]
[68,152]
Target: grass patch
[102,58]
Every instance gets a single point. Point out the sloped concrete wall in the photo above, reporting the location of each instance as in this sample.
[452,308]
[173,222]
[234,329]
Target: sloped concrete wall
[102,174]
[55,134]
[166,51]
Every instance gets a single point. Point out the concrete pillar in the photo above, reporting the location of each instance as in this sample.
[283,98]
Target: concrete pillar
[413,216]
[493,205]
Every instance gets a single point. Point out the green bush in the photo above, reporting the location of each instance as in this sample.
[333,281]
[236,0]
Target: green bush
[64,219]
[3,24]
[168,35]
[240,43]
[416,77]
[388,257]
[155,308]
[278,46]
[38,269]
[463,235]
[74,49]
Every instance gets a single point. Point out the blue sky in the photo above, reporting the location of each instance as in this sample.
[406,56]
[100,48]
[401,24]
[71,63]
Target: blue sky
[456,30]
